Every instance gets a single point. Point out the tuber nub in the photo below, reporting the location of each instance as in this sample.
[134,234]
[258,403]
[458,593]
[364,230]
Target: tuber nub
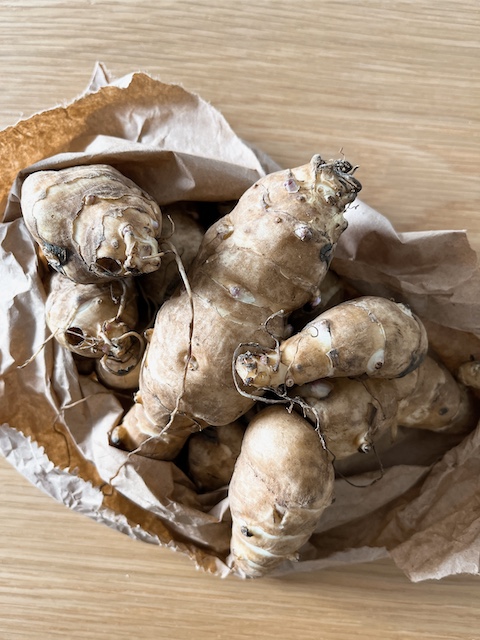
[92,222]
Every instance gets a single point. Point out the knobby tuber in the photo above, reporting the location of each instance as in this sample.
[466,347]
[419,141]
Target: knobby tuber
[97,322]
[92,222]
[93,320]
[255,265]
[431,398]
[212,453]
[281,484]
[352,413]
[469,374]
[368,335]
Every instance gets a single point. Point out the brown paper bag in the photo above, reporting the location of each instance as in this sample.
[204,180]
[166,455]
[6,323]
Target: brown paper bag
[425,511]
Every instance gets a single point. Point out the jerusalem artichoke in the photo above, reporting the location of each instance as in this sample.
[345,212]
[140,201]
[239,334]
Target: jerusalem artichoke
[93,320]
[92,222]
[255,266]
[368,335]
[282,482]
[212,454]
[434,400]
[352,413]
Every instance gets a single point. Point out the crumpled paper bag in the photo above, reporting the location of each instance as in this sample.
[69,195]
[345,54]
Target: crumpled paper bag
[425,510]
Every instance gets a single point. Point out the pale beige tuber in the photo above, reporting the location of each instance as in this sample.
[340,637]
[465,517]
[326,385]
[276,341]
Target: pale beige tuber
[92,222]
[92,320]
[282,482]
[254,267]
[212,453]
[368,335]
[352,413]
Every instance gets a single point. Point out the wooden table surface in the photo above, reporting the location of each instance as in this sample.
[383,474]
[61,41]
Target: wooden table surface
[396,86]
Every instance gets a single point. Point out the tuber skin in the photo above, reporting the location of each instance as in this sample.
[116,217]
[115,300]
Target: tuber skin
[469,374]
[369,335]
[92,222]
[212,453]
[137,433]
[431,398]
[352,413]
[186,236]
[282,482]
[268,256]
[92,320]
[122,373]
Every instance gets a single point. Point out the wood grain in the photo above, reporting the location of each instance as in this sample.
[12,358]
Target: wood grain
[63,576]
[396,85]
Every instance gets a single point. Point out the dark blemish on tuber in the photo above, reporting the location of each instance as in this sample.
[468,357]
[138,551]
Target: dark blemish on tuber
[415,362]
[326,253]
[344,166]
[61,253]
[333,355]
[90,199]
[355,183]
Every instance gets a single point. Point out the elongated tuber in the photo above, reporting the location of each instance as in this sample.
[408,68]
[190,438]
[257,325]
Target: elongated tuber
[352,413]
[267,257]
[92,222]
[281,484]
[368,335]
